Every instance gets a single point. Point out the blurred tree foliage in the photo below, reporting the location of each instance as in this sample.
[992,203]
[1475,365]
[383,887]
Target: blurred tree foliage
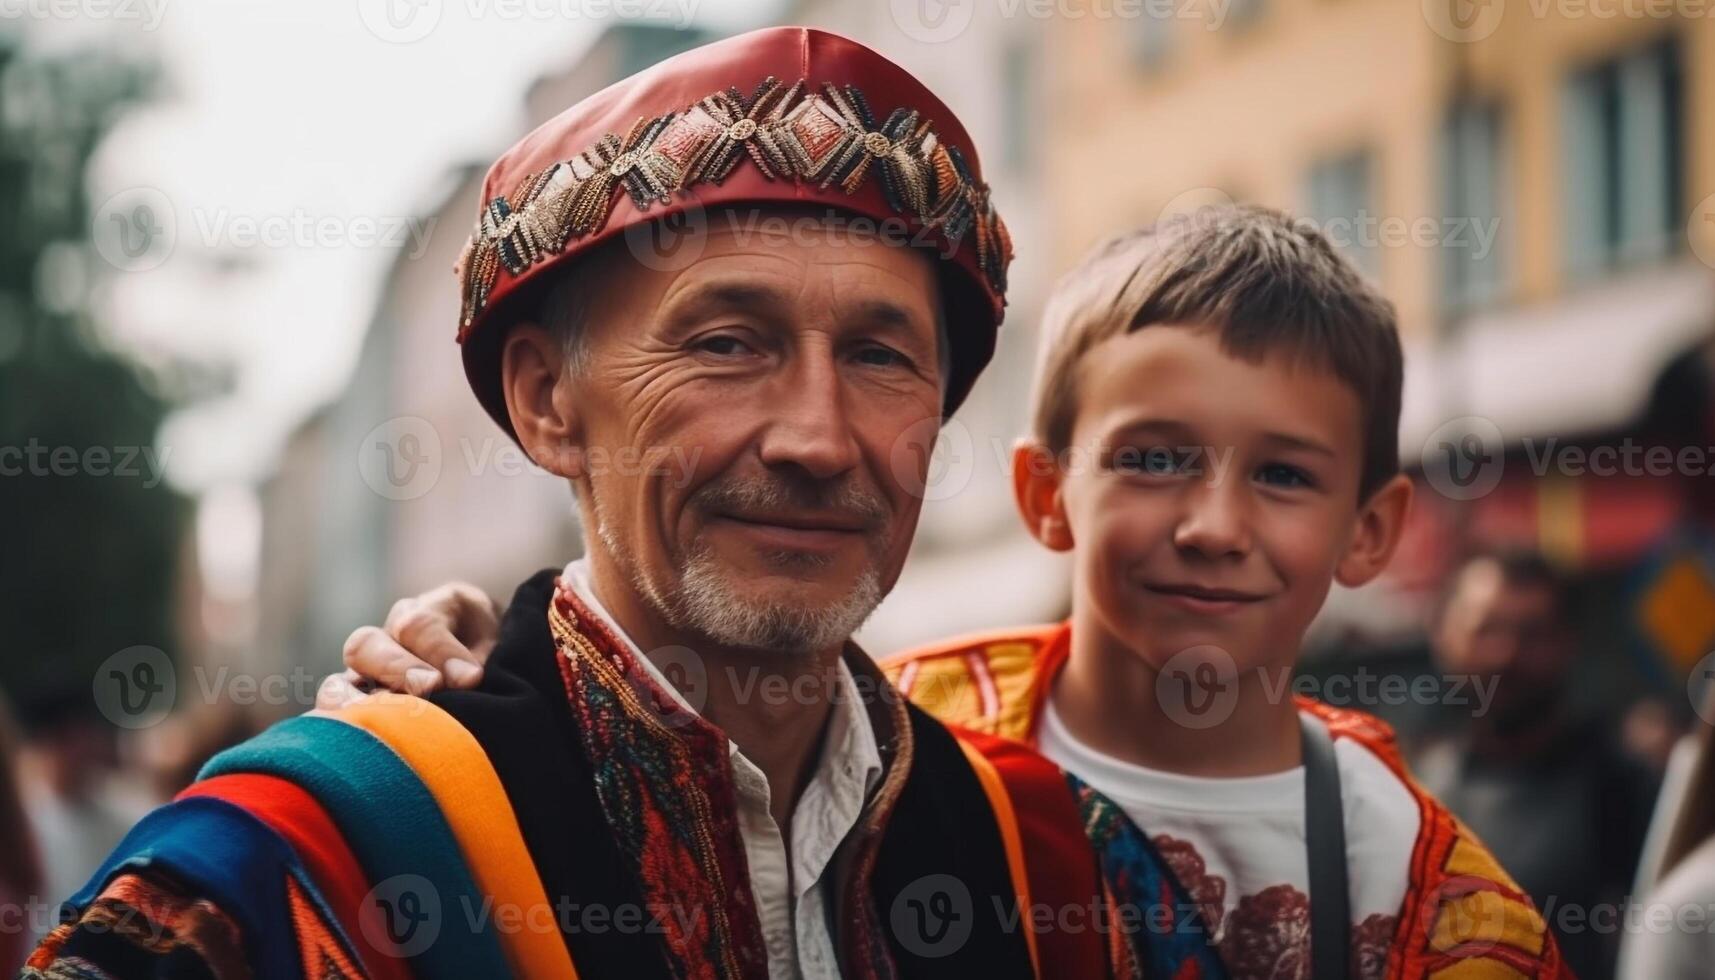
[88,563]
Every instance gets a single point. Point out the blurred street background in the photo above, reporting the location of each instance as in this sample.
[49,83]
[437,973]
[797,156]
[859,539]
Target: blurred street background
[234,426]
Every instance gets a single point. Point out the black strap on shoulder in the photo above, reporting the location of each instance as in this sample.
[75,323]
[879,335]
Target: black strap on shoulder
[1325,836]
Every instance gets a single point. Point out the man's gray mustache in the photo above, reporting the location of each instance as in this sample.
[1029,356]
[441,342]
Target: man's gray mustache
[847,500]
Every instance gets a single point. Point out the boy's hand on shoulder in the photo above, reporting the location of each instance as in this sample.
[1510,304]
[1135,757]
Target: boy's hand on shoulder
[440,638]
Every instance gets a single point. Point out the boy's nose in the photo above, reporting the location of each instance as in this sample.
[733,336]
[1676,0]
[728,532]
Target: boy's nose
[1215,523]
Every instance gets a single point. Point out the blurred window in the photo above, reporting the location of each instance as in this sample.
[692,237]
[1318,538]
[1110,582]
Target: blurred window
[1340,196]
[1018,88]
[1244,13]
[1152,36]
[1471,172]
[1623,131]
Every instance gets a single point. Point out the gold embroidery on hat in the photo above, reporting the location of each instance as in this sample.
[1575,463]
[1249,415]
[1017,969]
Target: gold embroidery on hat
[827,137]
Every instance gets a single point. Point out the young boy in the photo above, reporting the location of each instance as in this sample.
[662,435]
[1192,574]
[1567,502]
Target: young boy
[1215,443]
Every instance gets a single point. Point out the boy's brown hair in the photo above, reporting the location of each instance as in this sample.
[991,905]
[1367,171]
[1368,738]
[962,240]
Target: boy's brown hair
[1268,284]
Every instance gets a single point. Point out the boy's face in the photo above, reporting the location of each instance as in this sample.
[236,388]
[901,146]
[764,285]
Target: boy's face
[1209,501]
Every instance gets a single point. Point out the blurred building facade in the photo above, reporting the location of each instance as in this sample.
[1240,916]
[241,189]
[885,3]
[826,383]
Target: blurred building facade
[404,482]
[1531,184]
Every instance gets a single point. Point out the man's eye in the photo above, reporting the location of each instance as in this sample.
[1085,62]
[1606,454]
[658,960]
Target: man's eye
[1284,475]
[722,345]
[881,356]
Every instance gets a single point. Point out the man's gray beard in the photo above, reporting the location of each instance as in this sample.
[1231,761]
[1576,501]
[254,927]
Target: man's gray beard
[705,604]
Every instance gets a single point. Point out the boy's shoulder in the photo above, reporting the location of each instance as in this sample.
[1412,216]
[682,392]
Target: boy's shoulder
[989,682]
[1461,907]
[1362,727]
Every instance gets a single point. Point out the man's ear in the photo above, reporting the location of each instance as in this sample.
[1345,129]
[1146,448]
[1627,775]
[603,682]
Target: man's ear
[1381,522]
[531,366]
[1036,488]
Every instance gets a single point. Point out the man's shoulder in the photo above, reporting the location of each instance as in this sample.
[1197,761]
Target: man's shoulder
[985,682]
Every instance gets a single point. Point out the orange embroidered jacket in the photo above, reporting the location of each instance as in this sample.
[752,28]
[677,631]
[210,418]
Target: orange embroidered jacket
[1462,916]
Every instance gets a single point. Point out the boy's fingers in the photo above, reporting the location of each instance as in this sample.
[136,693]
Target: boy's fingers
[377,657]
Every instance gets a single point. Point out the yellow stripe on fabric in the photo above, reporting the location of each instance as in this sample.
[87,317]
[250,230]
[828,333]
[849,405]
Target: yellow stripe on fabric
[1468,857]
[1013,667]
[1487,917]
[1008,823]
[456,772]
[1477,969]
[945,688]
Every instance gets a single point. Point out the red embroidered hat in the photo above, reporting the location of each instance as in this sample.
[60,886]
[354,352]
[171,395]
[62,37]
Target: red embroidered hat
[785,116]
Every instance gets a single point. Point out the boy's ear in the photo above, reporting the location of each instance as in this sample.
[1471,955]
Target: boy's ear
[1381,521]
[1036,487]
[531,365]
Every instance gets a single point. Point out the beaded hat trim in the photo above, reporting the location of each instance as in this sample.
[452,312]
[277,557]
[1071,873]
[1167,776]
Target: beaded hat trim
[787,132]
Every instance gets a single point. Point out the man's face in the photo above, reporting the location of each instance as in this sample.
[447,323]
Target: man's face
[1213,498]
[1493,627]
[781,383]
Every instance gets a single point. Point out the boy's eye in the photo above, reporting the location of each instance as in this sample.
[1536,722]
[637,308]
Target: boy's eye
[1153,461]
[1285,475]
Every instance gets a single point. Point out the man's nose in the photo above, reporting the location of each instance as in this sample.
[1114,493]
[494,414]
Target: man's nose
[811,425]
[1215,521]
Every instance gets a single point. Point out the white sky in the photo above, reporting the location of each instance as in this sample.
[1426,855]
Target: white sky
[277,115]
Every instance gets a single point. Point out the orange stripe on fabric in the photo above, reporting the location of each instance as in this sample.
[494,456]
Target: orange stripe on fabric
[1008,822]
[456,771]
[1059,859]
[319,948]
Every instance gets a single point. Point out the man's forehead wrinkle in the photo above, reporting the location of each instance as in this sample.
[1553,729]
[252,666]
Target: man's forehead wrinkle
[757,269]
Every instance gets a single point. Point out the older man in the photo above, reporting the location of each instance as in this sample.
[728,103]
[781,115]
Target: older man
[676,763]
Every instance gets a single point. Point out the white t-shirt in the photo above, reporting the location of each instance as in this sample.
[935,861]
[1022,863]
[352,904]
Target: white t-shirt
[1238,846]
